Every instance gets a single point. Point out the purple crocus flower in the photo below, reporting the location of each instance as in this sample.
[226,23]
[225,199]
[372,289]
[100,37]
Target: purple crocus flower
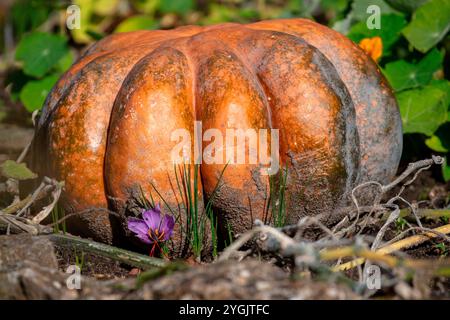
[154,228]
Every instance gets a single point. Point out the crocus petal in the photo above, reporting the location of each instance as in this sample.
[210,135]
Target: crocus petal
[144,238]
[167,226]
[138,226]
[152,218]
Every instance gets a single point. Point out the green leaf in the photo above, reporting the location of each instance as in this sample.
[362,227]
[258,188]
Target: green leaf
[359,8]
[27,15]
[446,170]
[335,9]
[249,14]
[440,141]
[105,7]
[336,6]
[220,13]
[444,85]
[391,27]
[406,5]
[18,171]
[16,80]
[65,62]
[140,22]
[436,144]
[176,6]
[40,52]
[403,75]
[429,25]
[422,110]
[33,94]
[146,6]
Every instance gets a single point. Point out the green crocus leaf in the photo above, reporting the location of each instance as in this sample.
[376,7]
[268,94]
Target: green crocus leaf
[423,110]
[33,94]
[429,24]
[403,75]
[40,51]
[19,171]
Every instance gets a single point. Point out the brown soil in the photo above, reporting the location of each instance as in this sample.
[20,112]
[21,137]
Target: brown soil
[94,266]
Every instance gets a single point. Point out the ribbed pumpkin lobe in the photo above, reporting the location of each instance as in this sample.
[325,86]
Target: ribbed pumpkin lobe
[107,126]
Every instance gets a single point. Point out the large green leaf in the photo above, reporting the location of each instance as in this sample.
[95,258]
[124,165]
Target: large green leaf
[26,15]
[359,8]
[444,85]
[14,170]
[429,25]
[436,144]
[422,110]
[40,52]
[440,141]
[391,27]
[403,75]
[33,94]
[406,5]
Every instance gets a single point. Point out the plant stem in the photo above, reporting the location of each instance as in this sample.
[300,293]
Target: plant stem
[441,267]
[401,244]
[128,257]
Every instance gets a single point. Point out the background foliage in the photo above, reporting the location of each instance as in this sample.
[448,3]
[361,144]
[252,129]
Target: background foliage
[36,47]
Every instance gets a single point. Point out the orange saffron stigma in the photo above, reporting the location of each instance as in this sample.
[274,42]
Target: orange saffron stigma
[159,236]
[373,47]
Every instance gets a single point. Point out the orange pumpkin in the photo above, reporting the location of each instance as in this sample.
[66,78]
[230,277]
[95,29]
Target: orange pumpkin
[106,125]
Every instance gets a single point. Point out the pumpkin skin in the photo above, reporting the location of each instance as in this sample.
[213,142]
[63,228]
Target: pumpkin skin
[105,127]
